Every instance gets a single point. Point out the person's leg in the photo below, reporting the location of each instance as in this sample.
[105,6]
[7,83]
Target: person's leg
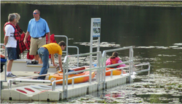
[34,48]
[12,55]
[44,55]
[40,61]
[40,43]
[18,50]
[9,65]
[36,57]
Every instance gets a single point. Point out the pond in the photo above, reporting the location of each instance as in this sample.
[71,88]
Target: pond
[154,32]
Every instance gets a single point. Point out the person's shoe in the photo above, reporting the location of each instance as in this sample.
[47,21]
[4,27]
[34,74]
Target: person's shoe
[13,75]
[10,75]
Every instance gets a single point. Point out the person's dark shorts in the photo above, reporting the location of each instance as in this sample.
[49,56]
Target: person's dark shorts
[12,53]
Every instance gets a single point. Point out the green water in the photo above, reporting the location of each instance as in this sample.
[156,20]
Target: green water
[124,25]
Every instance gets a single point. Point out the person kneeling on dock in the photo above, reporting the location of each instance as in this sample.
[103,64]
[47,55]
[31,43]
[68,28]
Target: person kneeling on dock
[114,59]
[51,48]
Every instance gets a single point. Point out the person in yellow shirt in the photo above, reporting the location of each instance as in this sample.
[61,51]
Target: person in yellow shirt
[45,50]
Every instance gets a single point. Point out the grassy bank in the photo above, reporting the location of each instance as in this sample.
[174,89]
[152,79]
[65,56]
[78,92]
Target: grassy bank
[129,3]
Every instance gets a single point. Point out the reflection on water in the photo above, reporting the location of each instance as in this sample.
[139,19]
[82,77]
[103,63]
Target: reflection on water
[154,32]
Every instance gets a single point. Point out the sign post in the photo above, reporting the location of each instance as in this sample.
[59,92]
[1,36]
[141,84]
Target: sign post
[95,33]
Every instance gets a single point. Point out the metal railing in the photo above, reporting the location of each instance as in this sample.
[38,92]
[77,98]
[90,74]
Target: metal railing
[66,73]
[112,50]
[1,44]
[117,68]
[10,81]
[143,70]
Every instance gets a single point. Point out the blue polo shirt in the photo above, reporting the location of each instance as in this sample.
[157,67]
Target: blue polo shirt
[38,28]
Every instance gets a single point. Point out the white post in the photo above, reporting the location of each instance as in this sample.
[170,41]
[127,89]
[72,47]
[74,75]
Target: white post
[94,32]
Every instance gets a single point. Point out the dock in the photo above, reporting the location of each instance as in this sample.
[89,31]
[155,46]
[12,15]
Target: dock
[25,88]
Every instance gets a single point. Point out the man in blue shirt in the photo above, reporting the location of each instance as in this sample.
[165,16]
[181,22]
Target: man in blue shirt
[37,29]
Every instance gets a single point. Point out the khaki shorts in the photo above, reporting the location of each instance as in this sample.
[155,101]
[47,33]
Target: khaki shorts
[35,44]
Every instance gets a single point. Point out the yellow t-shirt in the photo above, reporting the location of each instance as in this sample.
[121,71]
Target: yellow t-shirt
[53,48]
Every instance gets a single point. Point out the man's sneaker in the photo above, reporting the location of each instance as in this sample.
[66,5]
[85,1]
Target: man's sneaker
[10,75]
[13,74]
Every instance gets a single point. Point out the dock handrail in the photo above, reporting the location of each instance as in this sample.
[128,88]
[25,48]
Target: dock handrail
[2,44]
[112,50]
[65,72]
[10,81]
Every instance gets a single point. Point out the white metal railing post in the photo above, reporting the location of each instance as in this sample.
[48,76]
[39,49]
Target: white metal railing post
[53,86]
[98,47]
[73,82]
[130,64]
[99,70]
[111,73]
[64,79]
[104,68]
[67,74]
[149,70]
[9,83]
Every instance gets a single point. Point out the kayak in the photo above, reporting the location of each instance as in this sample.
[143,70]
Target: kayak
[114,72]
[59,76]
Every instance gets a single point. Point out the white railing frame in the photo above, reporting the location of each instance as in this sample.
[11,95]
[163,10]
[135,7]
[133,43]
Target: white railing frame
[10,81]
[112,50]
[2,44]
[65,72]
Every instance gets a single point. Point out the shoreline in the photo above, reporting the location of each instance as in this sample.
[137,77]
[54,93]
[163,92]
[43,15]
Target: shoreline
[119,3]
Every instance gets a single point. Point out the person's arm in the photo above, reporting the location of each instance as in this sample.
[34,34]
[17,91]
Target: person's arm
[48,35]
[8,31]
[60,62]
[53,62]
[5,39]
[26,35]
[47,30]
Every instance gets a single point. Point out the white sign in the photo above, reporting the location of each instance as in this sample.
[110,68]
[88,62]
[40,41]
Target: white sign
[95,27]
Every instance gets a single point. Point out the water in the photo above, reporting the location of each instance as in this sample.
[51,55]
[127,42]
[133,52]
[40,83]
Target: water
[155,33]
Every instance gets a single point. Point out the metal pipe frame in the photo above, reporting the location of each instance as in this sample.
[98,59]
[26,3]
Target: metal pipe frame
[104,60]
[1,44]
[65,76]
[84,54]
[10,81]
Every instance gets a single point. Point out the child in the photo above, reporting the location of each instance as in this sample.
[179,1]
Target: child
[114,59]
